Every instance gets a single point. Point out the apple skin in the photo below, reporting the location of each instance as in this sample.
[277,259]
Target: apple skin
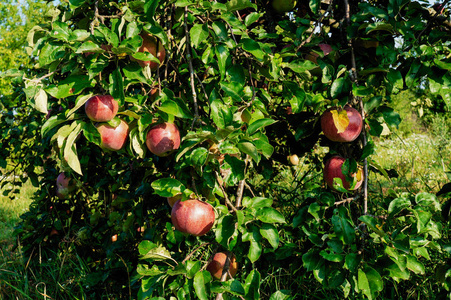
[332,169]
[163,138]
[113,138]
[193,216]
[216,265]
[150,45]
[64,186]
[101,108]
[114,238]
[351,132]
[283,6]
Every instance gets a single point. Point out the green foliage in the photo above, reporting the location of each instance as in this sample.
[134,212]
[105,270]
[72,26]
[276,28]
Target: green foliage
[246,87]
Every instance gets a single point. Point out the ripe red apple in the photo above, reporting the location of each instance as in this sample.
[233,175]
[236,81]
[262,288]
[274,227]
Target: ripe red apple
[193,217]
[150,45]
[283,6]
[114,238]
[332,169]
[330,126]
[163,138]
[101,108]
[64,185]
[217,264]
[113,138]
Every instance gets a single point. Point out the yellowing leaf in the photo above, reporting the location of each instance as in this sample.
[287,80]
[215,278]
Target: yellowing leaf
[341,119]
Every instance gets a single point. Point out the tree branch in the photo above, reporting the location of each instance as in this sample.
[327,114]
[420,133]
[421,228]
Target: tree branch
[191,69]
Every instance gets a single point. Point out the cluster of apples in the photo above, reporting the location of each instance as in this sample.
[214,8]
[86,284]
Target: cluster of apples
[333,166]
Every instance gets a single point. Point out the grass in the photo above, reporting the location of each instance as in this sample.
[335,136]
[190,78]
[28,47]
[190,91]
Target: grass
[422,160]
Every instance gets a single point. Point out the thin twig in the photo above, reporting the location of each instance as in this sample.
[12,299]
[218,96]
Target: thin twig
[194,251]
[190,64]
[225,194]
[320,19]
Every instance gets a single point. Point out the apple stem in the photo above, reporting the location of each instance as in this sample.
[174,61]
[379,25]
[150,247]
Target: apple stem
[190,64]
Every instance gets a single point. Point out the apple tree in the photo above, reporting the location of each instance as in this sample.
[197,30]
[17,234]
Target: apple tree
[214,96]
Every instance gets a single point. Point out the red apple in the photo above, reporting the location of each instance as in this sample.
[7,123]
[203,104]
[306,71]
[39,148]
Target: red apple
[101,108]
[150,45]
[330,126]
[113,138]
[217,264]
[193,217]
[114,238]
[332,169]
[163,138]
[64,185]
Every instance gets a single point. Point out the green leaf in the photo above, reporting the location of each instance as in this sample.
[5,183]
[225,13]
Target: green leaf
[342,226]
[201,279]
[60,31]
[252,285]
[234,5]
[428,200]
[250,149]
[223,56]
[443,65]
[109,35]
[134,72]
[371,222]
[40,101]
[198,34]
[414,265]
[390,116]
[167,187]
[70,149]
[270,233]
[51,52]
[221,114]
[253,48]
[176,108]
[257,202]
[300,66]
[70,86]
[370,282]
[158,253]
[280,295]
[255,249]
[312,260]
[397,205]
[259,124]
[117,86]
[225,230]
[330,256]
[136,144]
[269,215]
